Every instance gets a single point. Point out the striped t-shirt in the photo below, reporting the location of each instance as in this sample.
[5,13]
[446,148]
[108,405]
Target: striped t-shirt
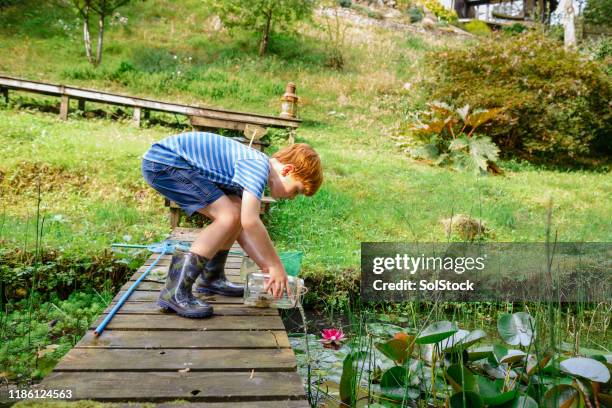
[220,159]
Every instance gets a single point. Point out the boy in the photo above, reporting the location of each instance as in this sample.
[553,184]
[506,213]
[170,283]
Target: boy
[224,180]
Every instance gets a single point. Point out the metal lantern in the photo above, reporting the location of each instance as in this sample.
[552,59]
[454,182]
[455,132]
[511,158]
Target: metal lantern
[289,102]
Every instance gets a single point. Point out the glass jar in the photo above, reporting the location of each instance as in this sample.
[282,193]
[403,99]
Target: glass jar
[247,266]
[254,294]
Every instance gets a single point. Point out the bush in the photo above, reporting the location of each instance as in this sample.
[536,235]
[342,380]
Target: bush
[515,28]
[450,136]
[478,27]
[555,103]
[439,10]
[600,50]
[416,14]
[345,3]
[598,12]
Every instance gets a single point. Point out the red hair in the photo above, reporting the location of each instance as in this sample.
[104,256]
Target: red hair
[306,163]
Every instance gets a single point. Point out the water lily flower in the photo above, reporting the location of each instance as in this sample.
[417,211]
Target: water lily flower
[332,338]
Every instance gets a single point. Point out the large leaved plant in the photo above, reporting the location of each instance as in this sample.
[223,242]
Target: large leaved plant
[448,136]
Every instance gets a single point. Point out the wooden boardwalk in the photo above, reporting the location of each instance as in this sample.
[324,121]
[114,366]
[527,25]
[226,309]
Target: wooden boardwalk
[239,357]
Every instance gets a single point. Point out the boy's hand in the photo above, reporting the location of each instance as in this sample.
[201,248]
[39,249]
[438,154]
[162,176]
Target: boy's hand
[278,282]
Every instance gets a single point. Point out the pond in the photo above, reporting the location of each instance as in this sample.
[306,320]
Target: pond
[440,364]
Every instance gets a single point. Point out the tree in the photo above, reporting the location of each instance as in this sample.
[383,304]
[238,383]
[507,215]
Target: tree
[569,24]
[598,12]
[263,16]
[101,8]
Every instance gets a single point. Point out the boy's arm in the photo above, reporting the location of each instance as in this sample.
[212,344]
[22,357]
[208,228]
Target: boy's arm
[257,243]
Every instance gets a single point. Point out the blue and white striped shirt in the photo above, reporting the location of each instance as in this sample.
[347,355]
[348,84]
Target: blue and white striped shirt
[220,159]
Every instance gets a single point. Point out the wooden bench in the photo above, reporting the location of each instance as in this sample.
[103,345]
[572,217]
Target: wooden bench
[216,118]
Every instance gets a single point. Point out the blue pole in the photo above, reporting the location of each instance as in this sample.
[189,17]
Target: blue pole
[167,247]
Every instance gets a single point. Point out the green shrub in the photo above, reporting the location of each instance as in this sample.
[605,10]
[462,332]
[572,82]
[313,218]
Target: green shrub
[449,136]
[345,3]
[515,28]
[598,12]
[478,27]
[555,103]
[600,50]
[415,13]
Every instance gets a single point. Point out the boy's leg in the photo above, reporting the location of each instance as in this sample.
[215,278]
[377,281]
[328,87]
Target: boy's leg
[213,279]
[222,231]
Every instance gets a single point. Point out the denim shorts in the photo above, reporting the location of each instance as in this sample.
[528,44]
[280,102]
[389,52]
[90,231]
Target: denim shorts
[186,187]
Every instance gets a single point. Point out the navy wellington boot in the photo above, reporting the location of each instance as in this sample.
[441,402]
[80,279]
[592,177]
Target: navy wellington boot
[213,280]
[177,296]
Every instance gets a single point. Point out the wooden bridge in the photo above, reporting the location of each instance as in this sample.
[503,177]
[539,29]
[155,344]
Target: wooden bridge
[239,357]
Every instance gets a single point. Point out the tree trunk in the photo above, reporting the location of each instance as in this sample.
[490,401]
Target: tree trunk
[86,35]
[569,24]
[263,45]
[100,38]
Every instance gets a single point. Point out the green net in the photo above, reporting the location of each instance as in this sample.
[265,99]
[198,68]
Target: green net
[292,261]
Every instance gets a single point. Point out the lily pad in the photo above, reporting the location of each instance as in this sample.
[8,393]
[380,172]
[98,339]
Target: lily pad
[461,340]
[491,391]
[503,355]
[394,377]
[349,373]
[517,328]
[395,384]
[437,332]
[383,330]
[466,399]
[586,368]
[396,349]
[535,363]
[480,352]
[563,395]
[522,401]
[461,379]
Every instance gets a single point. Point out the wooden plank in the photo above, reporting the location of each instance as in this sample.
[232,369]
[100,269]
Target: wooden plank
[178,340]
[158,273]
[232,258]
[173,322]
[157,286]
[210,123]
[150,295]
[64,106]
[220,310]
[137,116]
[165,261]
[175,217]
[170,386]
[117,99]
[228,360]
[250,404]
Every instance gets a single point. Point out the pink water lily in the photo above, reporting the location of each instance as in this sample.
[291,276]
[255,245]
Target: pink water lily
[332,338]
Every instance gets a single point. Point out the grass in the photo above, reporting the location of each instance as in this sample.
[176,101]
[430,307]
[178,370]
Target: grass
[92,193]
[92,186]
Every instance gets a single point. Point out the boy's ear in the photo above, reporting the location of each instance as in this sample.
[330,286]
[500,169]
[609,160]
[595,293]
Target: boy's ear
[287,168]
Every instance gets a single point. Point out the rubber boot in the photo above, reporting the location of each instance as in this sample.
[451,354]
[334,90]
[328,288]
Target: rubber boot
[213,280]
[176,296]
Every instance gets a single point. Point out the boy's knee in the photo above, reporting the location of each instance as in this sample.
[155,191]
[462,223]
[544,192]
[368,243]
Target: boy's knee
[230,216]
